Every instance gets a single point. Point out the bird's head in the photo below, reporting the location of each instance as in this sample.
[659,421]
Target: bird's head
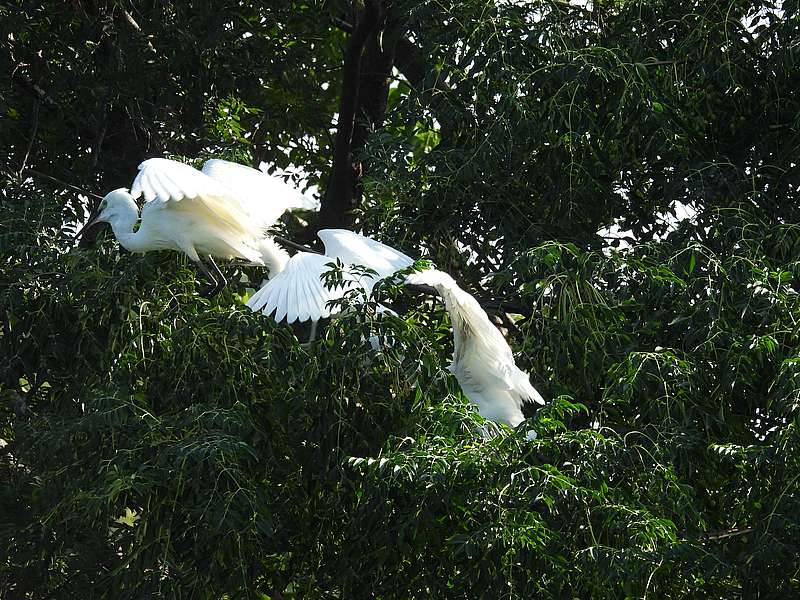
[115,205]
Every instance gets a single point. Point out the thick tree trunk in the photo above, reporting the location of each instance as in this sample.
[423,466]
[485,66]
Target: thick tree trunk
[340,193]
[368,65]
[375,46]
[376,70]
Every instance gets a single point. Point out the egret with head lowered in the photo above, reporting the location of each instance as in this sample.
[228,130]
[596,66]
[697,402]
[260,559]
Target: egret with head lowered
[223,212]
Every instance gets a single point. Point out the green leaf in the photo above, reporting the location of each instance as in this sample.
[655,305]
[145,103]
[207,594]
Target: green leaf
[129,518]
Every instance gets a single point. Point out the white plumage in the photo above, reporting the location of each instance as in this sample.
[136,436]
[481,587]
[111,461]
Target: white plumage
[483,362]
[262,195]
[297,293]
[221,212]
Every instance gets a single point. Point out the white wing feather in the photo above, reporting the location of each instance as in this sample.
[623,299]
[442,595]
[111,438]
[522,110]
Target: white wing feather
[297,293]
[173,186]
[483,362]
[264,197]
[356,249]
[171,181]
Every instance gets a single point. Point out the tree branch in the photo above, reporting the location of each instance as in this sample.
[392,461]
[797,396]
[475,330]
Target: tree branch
[34,132]
[132,22]
[713,536]
[342,24]
[65,184]
[34,90]
[373,96]
[98,142]
[409,58]
[295,245]
[410,61]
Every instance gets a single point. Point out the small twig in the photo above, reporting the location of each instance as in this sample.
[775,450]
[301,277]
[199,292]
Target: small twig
[132,22]
[342,24]
[34,131]
[65,184]
[712,536]
[98,142]
[656,63]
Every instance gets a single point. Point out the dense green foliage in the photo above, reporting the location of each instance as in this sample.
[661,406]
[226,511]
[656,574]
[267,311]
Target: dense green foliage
[158,444]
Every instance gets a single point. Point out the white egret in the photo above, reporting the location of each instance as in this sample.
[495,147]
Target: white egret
[297,293]
[221,212]
[483,363]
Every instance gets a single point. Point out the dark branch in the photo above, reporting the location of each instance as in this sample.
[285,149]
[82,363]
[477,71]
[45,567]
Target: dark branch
[295,245]
[409,58]
[493,307]
[505,307]
[410,62]
[34,90]
[98,141]
[342,24]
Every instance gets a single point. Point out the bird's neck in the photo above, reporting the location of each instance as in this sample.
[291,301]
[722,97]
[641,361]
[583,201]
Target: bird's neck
[122,226]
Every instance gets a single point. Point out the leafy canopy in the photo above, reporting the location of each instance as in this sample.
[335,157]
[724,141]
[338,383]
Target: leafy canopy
[157,444]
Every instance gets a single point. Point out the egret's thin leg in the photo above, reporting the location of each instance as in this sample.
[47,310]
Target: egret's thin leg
[219,278]
[208,290]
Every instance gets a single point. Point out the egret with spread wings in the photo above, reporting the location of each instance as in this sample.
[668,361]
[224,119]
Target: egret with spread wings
[223,212]
[297,293]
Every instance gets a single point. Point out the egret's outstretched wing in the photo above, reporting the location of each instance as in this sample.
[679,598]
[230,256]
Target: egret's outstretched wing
[298,292]
[482,359]
[356,249]
[171,185]
[471,325]
[265,197]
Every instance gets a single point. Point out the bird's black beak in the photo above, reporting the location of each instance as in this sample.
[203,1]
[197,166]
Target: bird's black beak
[92,220]
[87,234]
